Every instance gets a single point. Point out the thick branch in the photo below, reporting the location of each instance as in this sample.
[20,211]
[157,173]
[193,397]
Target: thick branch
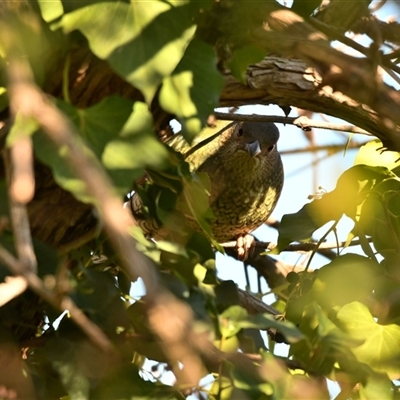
[289,82]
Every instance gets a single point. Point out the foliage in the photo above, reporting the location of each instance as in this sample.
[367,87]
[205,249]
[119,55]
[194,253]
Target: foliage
[118,72]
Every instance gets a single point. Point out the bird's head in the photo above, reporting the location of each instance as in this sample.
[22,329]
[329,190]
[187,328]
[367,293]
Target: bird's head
[256,137]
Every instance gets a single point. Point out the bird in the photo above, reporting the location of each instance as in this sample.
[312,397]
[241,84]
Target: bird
[246,177]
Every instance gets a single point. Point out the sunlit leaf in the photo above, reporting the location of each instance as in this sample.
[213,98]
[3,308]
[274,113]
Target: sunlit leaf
[381,347]
[192,91]
[135,148]
[371,154]
[352,188]
[100,123]
[51,10]
[229,320]
[143,42]
[330,289]
[242,58]
[378,386]
[326,345]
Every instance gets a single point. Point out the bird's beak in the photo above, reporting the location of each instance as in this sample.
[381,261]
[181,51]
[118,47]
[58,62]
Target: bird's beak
[253,148]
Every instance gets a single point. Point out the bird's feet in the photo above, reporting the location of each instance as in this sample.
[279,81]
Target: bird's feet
[245,245]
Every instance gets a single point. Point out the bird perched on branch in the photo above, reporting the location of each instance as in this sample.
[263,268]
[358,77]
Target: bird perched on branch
[246,176]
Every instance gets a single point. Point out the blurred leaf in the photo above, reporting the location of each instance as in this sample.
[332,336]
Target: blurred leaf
[369,154]
[221,388]
[377,387]
[64,358]
[192,91]
[3,98]
[305,7]
[330,289]
[381,347]
[229,321]
[227,344]
[251,341]
[47,258]
[24,38]
[226,295]
[176,286]
[143,42]
[124,283]
[3,198]
[51,10]
[55,158]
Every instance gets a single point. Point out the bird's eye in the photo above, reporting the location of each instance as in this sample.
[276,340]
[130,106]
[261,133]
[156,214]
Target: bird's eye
[270,148]
[240,132]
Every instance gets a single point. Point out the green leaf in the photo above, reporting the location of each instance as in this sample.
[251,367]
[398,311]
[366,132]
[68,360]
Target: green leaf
[3,99]
[229,320]
[370,155]
[192,91]
[347,278]
[195,202]
[55,158]
[377,387]
[22,127]
[226,294]
[51,10]
[305,7]
[136,147]
[101,123]
[242,58]
[381,347]
[353,187]
[235,318]
[265,321]
[143,41]
[122,139]
[326,345]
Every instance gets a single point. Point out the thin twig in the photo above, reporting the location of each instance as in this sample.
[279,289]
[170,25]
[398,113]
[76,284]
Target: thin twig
[301,247]
[12,287]
[330,148]
[301,122]
[22,184]
[20,222]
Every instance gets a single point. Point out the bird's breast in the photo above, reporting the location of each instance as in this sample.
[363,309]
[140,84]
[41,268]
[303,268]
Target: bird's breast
[243,195]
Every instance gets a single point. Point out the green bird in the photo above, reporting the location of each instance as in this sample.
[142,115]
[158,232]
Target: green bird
[246,176]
